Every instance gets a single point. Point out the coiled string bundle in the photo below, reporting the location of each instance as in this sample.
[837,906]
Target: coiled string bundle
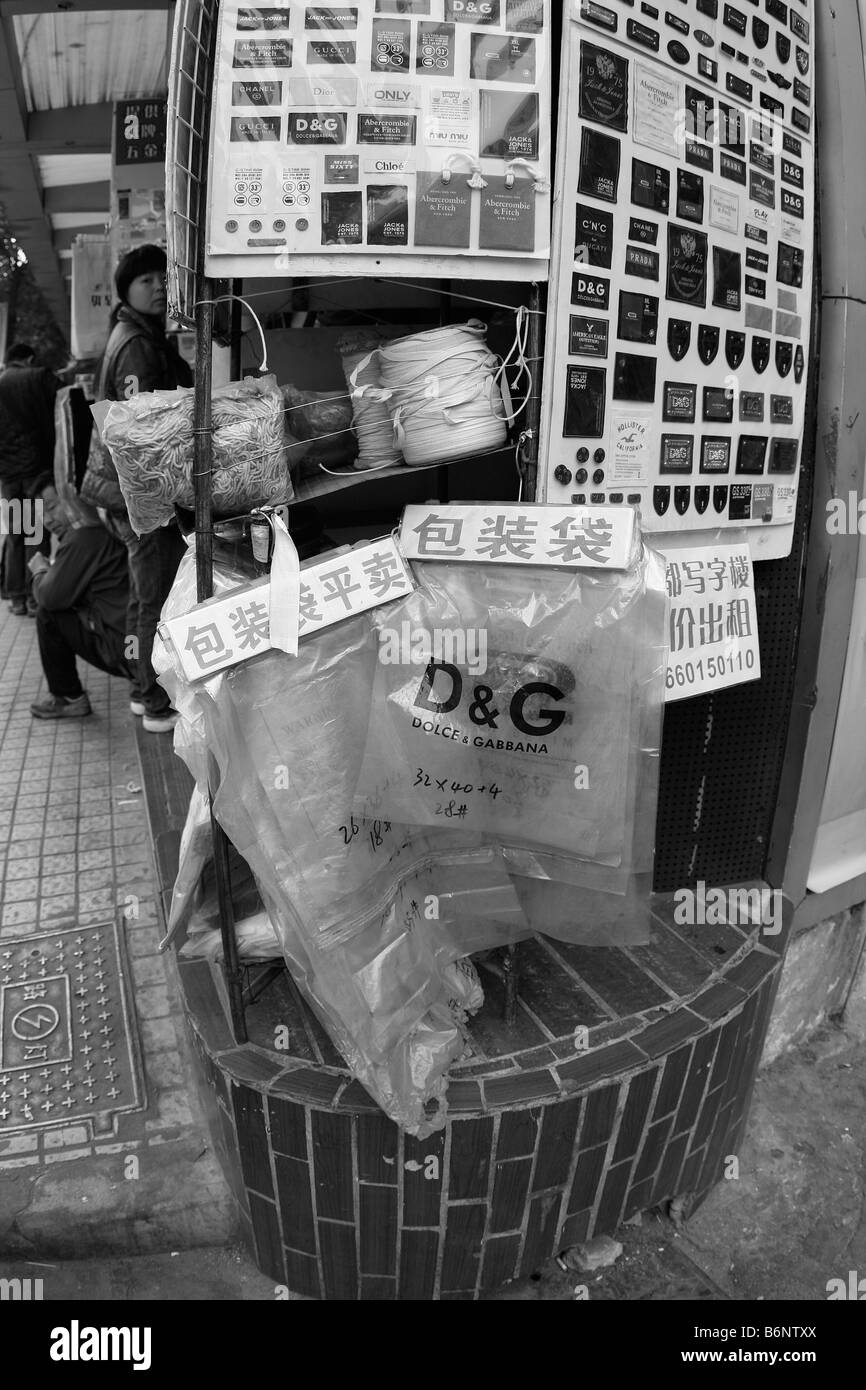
[371,422]
[445,396]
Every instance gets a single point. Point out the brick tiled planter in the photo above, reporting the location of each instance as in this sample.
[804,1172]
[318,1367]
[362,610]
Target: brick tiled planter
[544,1145]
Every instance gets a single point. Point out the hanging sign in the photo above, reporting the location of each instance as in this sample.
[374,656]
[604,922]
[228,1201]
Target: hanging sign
[433,118]
[713,622]
[92,294]
[565,537]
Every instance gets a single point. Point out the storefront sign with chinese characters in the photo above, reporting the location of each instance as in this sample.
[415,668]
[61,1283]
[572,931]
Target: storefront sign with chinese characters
[520,534]
[231,629]
[713,625]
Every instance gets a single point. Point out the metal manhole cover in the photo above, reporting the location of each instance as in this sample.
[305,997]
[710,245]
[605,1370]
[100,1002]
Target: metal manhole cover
[67,1047]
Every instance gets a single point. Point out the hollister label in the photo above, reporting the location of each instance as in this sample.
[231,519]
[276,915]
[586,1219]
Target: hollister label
[341,168]
[677,453]
[392,41]
[679,402]
[599,165]
[731,168]
[584,402]
[314,128]
[587,337]
[435,52]
[502,58]
[259,93]
[507,221]
[341,219]
[593,236]
[603,87]
[331,17]
[752,406]
[473,11]
[647,232]
[715,454]
[255,128]
[386,130]
[332,53]
[644,264]
[262,53]
[650,186]
[589,292]
[687,266]
[442,211]
[264,19]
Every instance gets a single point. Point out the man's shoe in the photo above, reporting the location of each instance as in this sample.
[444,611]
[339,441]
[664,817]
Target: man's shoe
[32,608]
[18,607]
[160,723]
[58,707]
[136,707]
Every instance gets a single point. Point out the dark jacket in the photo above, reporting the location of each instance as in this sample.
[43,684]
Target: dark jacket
[26,422]
[89,574]
[138,357]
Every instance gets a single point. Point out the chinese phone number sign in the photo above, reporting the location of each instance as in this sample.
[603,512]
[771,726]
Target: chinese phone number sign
[231,629]
[713,632]
[564,537]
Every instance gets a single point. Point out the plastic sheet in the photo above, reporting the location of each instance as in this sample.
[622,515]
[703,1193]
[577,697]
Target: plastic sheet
[370,913]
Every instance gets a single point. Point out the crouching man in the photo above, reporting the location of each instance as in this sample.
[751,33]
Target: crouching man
[81,596]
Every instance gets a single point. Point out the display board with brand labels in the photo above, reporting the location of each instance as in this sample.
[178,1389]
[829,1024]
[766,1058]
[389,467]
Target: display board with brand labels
[388,130]
[675,368]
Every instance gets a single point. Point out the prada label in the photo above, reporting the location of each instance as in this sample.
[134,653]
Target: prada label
[642,263]
[731,168]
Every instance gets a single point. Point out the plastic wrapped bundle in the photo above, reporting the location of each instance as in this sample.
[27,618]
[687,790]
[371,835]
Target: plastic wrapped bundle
[369,912]
[151,441]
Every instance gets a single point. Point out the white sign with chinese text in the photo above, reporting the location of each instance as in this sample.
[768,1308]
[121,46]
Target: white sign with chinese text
[713,633]
[235,627]
[521,534]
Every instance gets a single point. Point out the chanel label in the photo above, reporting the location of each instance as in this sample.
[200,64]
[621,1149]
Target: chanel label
[639,230]
[680,401]
[259,93]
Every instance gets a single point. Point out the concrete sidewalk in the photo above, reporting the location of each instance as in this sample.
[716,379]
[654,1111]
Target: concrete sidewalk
[133,1169]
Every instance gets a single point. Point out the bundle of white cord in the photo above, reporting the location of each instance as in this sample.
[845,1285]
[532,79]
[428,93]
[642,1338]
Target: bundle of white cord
[444,391]
[371,422]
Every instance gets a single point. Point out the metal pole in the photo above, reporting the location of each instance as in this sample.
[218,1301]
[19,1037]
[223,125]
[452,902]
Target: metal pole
[236,287]
[532,426]
[202,484]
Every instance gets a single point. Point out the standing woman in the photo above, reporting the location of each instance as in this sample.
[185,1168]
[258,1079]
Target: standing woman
[139,357]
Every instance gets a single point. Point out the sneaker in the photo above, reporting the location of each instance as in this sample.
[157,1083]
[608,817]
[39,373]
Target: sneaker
[18,607]
[59,707]
[160,723]
[136,707]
